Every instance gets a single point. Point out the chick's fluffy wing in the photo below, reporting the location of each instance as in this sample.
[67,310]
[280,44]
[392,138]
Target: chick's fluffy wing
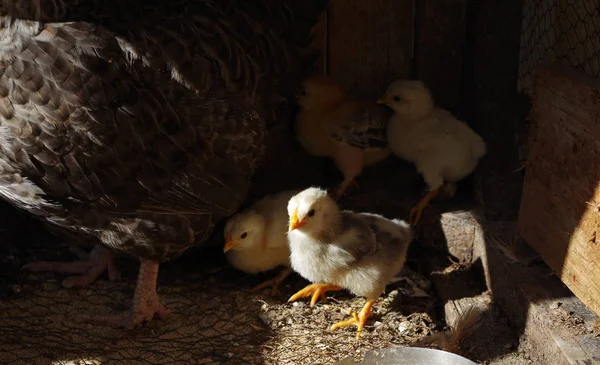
[360,124]
[357,237]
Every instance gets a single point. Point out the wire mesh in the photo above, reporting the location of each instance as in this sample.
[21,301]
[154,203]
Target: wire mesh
[559,31]
[215,319]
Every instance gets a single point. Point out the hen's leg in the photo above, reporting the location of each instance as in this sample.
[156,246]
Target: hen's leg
[145,301]
[358,319]
[415,213]
[90,267]
[317,290]
[274,283]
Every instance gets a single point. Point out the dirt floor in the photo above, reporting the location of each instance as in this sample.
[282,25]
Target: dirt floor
[215,319]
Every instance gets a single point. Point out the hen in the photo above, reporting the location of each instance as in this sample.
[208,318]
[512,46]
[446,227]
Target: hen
[350,131]
[137,124]
[443,149]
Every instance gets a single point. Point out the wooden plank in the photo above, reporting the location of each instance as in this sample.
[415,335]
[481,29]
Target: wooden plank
[560,215]
[491,69]
[319,42]
[439,45]
[370,43]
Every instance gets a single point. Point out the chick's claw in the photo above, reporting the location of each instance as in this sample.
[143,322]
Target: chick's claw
[273,283]
[358,319]
[317,290]
[415,213]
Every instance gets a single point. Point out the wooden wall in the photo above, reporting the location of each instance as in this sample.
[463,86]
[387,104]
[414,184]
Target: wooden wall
[368,43]
[560,206]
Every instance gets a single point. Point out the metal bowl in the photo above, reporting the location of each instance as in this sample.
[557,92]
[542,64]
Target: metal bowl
[408,356]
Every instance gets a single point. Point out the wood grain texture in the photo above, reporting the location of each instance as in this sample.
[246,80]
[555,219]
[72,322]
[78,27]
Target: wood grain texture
[439,45]
[560,215]
[370,43]
[319,32]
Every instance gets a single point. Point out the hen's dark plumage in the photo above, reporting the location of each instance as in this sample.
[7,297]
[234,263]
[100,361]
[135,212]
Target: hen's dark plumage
[140,122]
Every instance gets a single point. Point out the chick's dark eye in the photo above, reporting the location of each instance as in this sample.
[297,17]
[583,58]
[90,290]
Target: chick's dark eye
[311,213]
[396,98]
[302,92]
[244,235]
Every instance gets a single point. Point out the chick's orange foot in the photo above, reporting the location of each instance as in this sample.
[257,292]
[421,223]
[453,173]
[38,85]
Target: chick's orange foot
[358,319]
[415,213]
[145,302]
[317,290]
[90,266]
[273,283]
[344,189]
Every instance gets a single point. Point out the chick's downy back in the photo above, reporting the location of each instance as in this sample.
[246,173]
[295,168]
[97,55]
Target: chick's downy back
[357,251]
[333,124]
[264,246]
[138,122]
[442,147]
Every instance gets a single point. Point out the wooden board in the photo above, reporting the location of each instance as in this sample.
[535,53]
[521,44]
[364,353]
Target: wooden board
[370,43]
[439,48]
[319,42]
[491,73]
[559,215]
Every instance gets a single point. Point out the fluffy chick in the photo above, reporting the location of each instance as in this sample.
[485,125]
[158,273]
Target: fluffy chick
[335,250]
[256,241]
[332,124]
[443,149]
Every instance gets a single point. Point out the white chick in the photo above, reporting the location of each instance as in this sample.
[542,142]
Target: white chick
[335,250]
[256,241]
[332,124]
[443,149]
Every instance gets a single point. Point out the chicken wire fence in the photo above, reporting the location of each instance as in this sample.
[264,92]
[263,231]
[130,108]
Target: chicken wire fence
[559,31]
[215,319]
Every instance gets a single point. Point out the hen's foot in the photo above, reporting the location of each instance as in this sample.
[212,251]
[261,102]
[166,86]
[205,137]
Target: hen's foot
[273,283]
[317,290]
[90,266]
[358,319]
[145,302]
[415,213]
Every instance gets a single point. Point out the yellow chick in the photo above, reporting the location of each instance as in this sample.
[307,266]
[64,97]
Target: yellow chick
[335,250]
[443,149]
[332,124]
[256,241]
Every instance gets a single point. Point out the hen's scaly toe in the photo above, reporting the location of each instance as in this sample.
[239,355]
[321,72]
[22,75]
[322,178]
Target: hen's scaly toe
[145,302]
[99,260]
[128,319]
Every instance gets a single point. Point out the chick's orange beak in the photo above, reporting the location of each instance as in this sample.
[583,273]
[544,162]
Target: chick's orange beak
[295,222]
[229,244]
[382,100]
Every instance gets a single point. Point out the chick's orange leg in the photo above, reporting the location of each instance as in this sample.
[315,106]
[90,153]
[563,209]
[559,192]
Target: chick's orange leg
[344,188]
[317,290]
[358,319]
[350,161]
[273,283]
[417,210]
[145,301]
[90,266]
